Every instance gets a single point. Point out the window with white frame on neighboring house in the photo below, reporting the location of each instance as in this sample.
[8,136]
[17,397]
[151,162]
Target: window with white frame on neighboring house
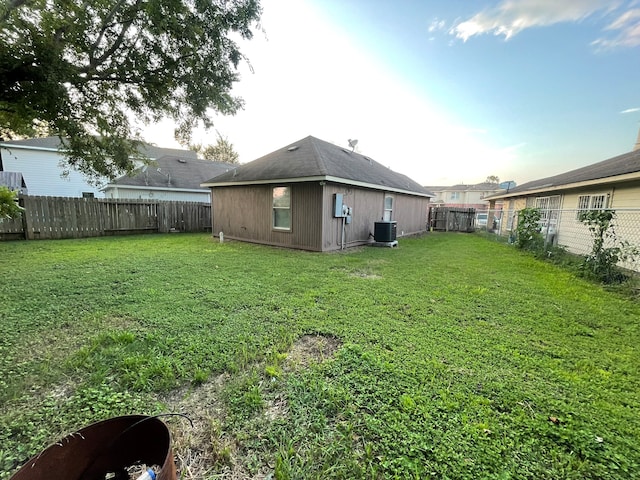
[388,208]
[592,202]
[282,208]
[549,209]
[455,195]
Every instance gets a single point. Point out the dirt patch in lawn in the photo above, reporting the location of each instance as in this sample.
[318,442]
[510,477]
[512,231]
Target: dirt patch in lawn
[310,349]
[200,448]
[366,275]
[205,450]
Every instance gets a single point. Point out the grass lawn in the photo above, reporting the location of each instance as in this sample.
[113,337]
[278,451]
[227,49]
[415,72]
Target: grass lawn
[449,357]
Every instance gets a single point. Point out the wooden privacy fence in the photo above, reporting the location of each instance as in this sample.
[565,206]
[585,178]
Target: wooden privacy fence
[66,217]
[452,219]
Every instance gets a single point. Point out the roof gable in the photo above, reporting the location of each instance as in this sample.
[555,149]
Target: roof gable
[311,158]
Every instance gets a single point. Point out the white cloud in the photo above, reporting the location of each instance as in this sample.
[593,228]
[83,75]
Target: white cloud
[436,25]
[627,31]
[511,17]
[631,110]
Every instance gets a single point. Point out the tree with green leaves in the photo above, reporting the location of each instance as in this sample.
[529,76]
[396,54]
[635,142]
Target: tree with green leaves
[9,203]
[607,249]
[221,151]
[493,179]
[93,73]
[528,236]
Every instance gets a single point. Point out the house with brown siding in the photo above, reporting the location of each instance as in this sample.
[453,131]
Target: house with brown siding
[314,195]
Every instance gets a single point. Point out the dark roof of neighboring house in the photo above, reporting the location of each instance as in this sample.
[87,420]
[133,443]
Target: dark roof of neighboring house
[313,159]
[174,172]
[482,187]
[612,167]
[50,143]
[53,143]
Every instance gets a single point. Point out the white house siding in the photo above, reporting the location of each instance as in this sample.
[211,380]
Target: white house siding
[626,195]
[42,173]
[626,202]
[623,199]
[203,196]
[574,235]
[571,233]
[462,197]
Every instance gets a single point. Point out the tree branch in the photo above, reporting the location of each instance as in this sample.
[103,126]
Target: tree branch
[94,62]
[116,44]
[105,25]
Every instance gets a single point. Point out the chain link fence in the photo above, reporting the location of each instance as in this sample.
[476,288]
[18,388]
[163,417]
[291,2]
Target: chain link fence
[563,228]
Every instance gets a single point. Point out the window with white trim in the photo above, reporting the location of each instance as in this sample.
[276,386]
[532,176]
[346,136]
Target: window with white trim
[282,208]
[455,195]
[549,208]
[388,208]
[592,202]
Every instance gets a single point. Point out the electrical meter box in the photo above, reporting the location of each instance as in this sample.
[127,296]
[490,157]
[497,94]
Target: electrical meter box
[337,205]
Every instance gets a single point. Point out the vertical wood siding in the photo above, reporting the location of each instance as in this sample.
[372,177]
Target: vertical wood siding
[245,213]
[411,214]
[367,208]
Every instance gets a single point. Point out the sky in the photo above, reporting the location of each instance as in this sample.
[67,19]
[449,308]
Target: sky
[443,91]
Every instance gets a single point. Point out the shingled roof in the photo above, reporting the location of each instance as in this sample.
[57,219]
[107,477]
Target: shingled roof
[54,144]
[174,172]
[312,159]
[478,187]
[607,170]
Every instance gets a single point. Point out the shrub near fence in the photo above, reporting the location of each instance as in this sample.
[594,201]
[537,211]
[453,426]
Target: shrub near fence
[67,217]
[563,228]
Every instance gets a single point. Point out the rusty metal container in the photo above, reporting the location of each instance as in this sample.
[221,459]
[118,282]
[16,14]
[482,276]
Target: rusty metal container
[105,447]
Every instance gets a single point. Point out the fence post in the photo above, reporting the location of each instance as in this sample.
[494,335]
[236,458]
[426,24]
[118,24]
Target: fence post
[27,223]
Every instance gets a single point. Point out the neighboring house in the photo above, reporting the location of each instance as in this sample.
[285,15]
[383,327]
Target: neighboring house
[612,184]
[39,160]
[314,195]
[168,178]
[13,181]
[464,196]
